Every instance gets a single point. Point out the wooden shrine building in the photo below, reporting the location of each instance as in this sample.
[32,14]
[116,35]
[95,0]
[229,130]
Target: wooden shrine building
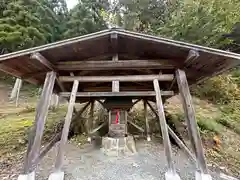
[116,66]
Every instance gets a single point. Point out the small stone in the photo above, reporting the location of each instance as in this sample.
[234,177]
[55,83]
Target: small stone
[135,165]
[222,167]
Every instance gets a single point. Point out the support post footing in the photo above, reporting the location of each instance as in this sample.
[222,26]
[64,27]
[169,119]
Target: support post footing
[89,139]
[202,176]
[59,175]
[30,176]
[172,176]
[148,138]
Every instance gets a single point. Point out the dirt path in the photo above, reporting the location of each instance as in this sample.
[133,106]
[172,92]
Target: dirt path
[89,163]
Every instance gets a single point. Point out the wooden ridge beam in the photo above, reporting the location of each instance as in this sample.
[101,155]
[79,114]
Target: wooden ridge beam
[113,65]
[114,94]
[129,78]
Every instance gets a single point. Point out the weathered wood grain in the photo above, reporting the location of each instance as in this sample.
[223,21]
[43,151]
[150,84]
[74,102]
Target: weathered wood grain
[43,60]
[18,91]
[164,129]
[191,120]
[146,119]
[60,154]
[116,65]
[114,94]
[174,136]
[129,78]
[36,134]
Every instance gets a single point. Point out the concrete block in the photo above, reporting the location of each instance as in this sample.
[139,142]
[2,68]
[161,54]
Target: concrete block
[118,146]
[201,176]
[30,176]
[172,176]
[148,138]
[56,176]
[89,139]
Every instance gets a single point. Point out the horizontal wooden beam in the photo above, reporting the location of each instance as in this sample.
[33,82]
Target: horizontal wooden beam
[129,78]
[121,64]
[112,94]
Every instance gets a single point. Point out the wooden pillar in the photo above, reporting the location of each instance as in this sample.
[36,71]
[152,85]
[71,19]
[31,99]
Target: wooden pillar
[166,141]
[126,122]
[40,118]
[14,90]
[91,122]
[115,84]
[191,120]
[65,131]
[175,137]
[54,101]
[146,121]
[18,91]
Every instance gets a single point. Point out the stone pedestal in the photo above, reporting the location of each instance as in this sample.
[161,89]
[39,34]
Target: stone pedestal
[59,175]
[201,176]
[172,176]
[118,146]
[30,176]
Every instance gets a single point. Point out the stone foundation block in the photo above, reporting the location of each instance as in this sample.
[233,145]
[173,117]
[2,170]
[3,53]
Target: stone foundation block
[201,176]
[56,176]
[118,146]
[172,176]
[30,176]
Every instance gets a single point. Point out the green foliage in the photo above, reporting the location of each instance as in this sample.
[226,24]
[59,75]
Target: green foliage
[220,89]
[24,24]
[86,17]
[235,37]
[14,127]
[208,126]
[141,16]
[231,116]
[202,22]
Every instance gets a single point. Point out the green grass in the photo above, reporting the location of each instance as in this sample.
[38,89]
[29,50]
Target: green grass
[231,116]
[208,126]
[14,127]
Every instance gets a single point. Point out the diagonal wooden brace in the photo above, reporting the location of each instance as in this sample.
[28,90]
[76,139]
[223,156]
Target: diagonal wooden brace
[171,172]
[36,133]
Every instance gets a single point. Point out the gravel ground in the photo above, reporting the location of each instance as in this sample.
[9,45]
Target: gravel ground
[88,163]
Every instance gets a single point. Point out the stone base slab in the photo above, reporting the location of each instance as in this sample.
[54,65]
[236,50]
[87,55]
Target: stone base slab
[201,176]
[118,146]
[30,176]
[56,176]
[172,176]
